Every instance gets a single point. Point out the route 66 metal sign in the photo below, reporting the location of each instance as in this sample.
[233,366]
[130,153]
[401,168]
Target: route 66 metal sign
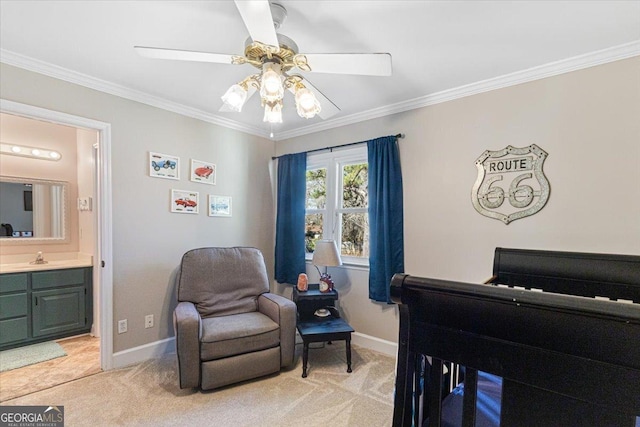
[514,174]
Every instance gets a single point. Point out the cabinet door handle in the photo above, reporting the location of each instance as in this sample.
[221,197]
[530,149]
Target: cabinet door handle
[36,300]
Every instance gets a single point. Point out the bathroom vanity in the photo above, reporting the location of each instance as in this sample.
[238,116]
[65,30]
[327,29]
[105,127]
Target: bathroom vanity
[44,303]
[45,293]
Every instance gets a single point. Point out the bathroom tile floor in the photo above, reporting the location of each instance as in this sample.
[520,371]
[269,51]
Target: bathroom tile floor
[82,359]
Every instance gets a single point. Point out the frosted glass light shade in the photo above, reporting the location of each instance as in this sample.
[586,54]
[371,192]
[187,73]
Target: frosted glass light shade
[271,87]
[306,103]
[273,112]
[235,97]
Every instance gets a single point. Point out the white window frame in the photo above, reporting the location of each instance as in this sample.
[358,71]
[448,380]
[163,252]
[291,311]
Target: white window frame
[331,226]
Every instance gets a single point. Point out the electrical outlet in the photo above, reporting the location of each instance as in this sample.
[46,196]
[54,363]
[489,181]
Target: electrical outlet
[122,326]
[148,321]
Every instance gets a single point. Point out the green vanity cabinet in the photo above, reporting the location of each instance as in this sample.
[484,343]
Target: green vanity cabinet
[13,309]
[44,305]
[58,310]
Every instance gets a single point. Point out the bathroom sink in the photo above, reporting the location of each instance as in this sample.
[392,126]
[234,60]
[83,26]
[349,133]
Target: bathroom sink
[50,265]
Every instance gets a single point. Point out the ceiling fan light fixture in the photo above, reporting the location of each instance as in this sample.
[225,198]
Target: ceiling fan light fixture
[275,56]
[273,112]
[235,97]
[271,85]
[307,104]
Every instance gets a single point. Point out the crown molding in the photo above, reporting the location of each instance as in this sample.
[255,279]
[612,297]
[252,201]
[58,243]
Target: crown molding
[47,69]
[575,63]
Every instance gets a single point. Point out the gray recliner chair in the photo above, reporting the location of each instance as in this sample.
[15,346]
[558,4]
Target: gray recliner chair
[228,326]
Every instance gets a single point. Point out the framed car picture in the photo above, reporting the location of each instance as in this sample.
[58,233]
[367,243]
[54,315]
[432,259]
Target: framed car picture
[164,166]
[203,172]
[219,205]
[183,201]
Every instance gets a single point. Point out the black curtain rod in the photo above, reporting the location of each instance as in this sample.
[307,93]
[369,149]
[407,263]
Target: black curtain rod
[399,136]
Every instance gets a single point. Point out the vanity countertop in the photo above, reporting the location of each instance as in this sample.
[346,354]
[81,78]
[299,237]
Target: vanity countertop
[55,261]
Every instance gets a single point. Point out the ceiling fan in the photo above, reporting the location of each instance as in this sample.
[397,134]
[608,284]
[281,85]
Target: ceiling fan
[277,58]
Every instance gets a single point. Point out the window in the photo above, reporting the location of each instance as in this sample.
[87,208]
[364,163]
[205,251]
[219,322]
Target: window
[337,201]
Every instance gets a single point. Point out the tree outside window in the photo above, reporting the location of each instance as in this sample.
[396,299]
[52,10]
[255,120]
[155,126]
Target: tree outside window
[316,206]
[353,213]
[337,202]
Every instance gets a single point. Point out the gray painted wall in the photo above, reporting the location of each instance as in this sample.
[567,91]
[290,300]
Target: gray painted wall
[149,240]
[586,120]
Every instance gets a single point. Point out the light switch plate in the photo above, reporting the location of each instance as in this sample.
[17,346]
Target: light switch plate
[84,203]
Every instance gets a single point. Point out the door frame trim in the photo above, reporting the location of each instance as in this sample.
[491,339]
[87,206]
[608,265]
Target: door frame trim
[104,241]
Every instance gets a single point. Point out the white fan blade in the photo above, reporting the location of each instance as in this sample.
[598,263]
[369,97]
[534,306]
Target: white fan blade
[256,15]
[250,92]
[183,55]
[369,64]
[327,108]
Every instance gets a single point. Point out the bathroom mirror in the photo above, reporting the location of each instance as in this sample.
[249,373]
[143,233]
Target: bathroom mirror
[32,210]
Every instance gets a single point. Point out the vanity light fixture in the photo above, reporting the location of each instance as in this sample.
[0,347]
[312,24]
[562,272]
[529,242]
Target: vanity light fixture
[31,152]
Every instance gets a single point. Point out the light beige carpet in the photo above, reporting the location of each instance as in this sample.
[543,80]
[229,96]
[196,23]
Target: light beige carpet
[148,395]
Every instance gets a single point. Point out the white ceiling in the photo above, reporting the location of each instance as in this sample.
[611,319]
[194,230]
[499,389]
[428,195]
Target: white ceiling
[437,47]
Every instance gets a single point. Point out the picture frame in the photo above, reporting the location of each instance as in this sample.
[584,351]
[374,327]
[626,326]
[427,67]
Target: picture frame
[164,166]
[219,205]
[185,201]
[203,172]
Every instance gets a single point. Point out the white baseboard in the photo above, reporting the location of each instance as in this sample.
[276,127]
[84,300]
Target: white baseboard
[143,352]
[377,344]
[167,345]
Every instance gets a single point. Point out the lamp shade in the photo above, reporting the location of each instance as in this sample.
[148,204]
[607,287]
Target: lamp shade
[235,97]
[306,103]
[271,87]
[273,112]
[326,254]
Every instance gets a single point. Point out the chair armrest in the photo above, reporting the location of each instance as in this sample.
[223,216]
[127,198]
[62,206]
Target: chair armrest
[282,311]
[187,326]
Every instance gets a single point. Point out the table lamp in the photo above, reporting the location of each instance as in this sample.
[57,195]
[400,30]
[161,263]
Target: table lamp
[326,255]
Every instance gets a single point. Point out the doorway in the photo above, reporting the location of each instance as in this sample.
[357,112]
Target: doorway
[102,260]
